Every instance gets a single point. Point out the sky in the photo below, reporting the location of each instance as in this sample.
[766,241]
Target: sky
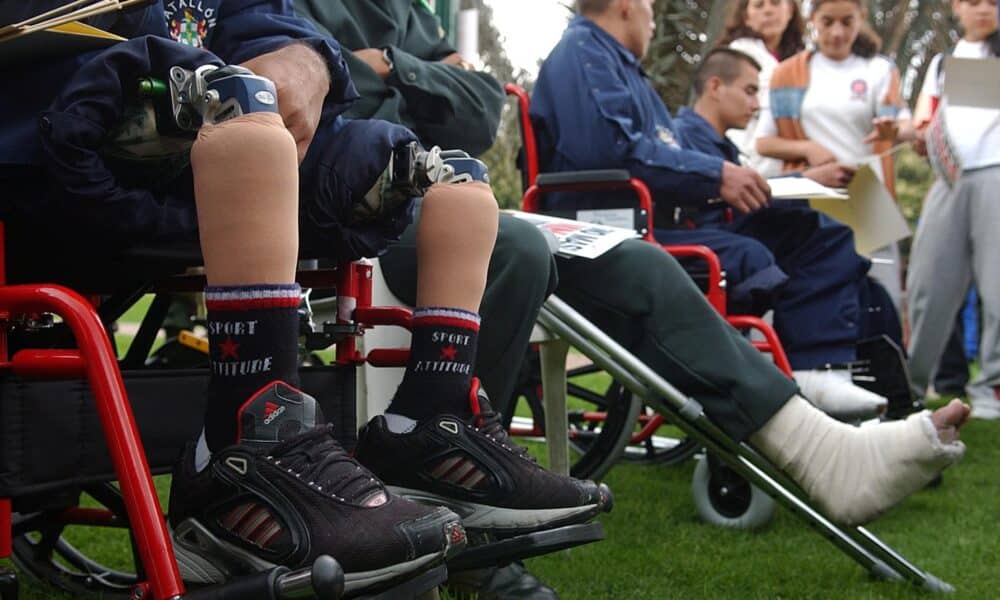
[530,28]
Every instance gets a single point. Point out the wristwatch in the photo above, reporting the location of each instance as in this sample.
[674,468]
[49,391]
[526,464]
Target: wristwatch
[388,59]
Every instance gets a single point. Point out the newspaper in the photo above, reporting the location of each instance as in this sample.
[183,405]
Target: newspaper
[577,238]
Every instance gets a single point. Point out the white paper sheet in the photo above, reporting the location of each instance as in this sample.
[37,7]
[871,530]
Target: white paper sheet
[869,210]
[577,238]
[802,188]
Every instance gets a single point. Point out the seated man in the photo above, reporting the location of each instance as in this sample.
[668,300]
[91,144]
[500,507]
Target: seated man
[266,483]
[594,109]
[408,73]
[817,250]
[641,297]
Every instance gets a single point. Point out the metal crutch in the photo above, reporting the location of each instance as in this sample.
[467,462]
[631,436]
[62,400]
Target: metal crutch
[687,414]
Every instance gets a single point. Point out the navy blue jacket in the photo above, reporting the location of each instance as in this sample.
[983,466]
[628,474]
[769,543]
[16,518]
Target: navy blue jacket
[61,111]
[593,108]
[230,30]
[698,134]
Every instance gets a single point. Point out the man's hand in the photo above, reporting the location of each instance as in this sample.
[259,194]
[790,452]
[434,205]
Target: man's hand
[455,59]
[835,175]
[743,189]
[884,129]
[302,79]
[816,154]
[374,58]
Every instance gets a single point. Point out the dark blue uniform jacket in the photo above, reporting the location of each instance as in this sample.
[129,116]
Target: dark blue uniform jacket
[593,108]
[58,112]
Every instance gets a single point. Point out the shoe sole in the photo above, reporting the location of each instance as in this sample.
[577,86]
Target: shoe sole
[200,567]
[484,517]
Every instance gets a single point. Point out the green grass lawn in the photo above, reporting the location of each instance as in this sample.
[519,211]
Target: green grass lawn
[657,547]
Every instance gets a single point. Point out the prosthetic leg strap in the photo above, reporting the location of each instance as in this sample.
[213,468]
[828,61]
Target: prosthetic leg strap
[853,473]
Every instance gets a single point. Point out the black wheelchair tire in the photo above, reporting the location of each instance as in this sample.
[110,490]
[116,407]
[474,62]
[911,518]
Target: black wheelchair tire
[41,550]
[594,446]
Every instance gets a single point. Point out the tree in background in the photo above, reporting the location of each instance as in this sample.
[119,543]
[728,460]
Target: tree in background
[912,31]
[685,31]
[505,177]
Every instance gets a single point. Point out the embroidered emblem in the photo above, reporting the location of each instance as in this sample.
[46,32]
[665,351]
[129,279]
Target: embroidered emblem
[859,89]
[190,21]
[666,136]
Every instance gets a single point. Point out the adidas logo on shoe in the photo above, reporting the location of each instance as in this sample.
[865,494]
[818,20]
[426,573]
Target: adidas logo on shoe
[272,411]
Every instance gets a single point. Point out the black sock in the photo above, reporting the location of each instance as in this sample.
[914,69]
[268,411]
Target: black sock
[253,333]
[439,373]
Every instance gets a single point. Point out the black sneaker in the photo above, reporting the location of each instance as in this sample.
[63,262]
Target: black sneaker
[288,493]
[471,466]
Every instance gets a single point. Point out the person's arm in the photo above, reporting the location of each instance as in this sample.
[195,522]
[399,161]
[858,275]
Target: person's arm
[835,175]
[892,122]
[449,106]
[769,143]
[927,104]
[307,68]
[583,106]
[446,102]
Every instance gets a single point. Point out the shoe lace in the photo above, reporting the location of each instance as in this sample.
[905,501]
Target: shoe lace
[319,460]
[491,424]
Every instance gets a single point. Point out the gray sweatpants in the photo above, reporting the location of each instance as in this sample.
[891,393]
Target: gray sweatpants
[957,242]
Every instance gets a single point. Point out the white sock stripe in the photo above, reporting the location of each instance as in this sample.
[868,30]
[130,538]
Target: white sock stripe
[451,313]
[252,293]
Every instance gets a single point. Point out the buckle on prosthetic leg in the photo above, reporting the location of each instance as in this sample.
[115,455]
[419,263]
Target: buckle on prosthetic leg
[210,95]
[487,550]
[410,172]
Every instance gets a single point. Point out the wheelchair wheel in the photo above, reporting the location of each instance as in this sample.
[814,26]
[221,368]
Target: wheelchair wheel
[83,551]
[723,497]
[665,445]
[601,419]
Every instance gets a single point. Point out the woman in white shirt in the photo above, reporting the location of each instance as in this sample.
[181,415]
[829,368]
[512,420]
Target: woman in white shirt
[770,31]
[840,102]
[958,238]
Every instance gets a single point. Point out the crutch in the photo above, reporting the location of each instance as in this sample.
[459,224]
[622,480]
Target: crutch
[687,414]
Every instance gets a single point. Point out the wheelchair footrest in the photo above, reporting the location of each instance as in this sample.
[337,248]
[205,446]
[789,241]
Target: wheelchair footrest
[414,588]
[486,551]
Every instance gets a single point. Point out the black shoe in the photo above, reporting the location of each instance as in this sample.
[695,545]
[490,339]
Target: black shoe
[288,493]
[471,466]
[512,582]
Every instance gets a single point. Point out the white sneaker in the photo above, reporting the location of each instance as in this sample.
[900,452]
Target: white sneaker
[832,392]
[987,409]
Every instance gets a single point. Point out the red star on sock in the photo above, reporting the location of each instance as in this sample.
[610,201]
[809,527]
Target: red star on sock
[229,348]
[448,352]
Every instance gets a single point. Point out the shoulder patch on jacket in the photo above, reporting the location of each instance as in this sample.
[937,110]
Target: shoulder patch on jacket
[190,21]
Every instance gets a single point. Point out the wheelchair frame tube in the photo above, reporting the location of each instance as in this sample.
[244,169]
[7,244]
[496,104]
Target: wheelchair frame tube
[124,444]
[858,543]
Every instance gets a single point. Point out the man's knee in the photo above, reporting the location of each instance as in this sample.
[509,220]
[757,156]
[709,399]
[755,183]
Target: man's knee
[645,272]
[521,260]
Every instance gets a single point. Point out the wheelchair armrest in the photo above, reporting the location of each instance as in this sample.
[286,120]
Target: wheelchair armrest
[593,180]
[715,283]
[570,177]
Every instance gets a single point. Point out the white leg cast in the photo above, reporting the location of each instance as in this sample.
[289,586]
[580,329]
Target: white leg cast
[854,474]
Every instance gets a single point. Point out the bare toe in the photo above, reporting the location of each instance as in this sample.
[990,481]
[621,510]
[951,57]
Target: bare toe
[953,415]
